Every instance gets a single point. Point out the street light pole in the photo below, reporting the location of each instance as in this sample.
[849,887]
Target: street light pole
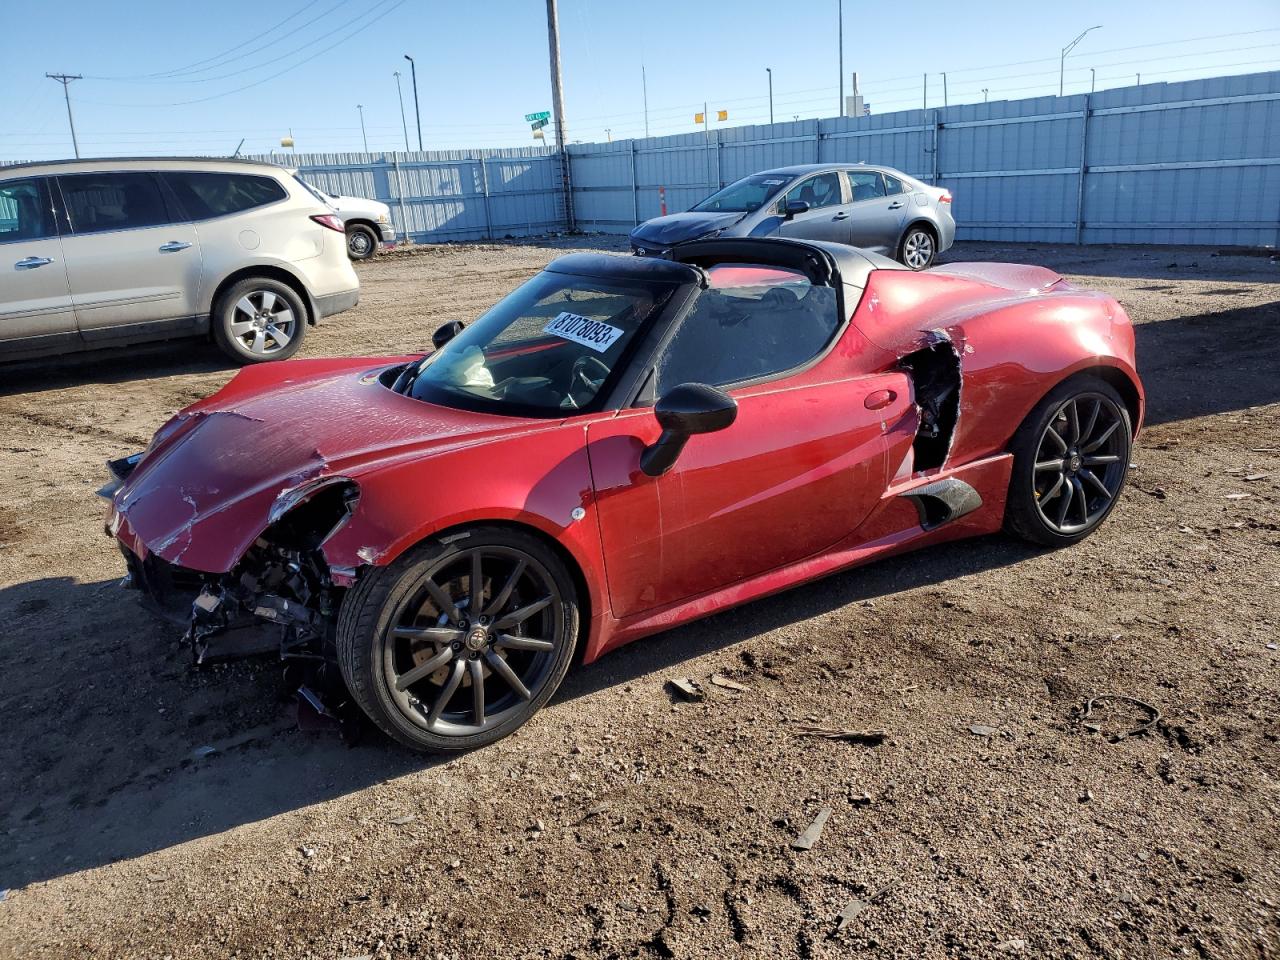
[840,32]
[1093,79]
[403,122]
[1062,61]
[363,135]
[417,117]
[65,79]
[984,94]
[769,71]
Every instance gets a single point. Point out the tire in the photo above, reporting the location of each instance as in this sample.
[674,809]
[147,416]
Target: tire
[254,315]
[1087,463]
[401,650]
[361,242]
[919,248]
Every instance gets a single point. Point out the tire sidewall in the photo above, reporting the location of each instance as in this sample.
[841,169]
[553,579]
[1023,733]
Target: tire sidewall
[366,617]
[224,314]
[1022,515]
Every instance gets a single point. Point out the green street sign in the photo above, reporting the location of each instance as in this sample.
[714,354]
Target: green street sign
[539,123]
[540,115]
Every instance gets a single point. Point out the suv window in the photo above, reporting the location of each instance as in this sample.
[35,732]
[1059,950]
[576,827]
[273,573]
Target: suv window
[25,212]
[206,195]
[751,322]
[820,191]
[893,186]
[98,202]
[866,185]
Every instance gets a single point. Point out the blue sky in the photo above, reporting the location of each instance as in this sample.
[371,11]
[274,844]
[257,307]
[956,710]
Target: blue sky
[167,77]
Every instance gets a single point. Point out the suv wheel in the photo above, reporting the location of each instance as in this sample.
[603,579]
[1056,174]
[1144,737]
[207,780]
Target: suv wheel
[259,319]
[361,243]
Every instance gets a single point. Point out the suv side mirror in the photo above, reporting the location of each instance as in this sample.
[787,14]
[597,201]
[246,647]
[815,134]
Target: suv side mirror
[794,207]
[682,412]
[446,333]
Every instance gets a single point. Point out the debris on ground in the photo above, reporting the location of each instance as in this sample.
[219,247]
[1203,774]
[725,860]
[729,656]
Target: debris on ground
[870,738]
[199,753]
[813,832]
[1152,712]
[856,906]
[687,689]
[982,730]
[1254,477]
[720,680]
[1011,946]
[401,821]
[595,811]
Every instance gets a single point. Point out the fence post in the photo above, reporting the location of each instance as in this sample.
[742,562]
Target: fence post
[1084,147]
[719,162]
[937,144]
[635,188]
[404,220]
[817,141]
[567,173]
[484,181]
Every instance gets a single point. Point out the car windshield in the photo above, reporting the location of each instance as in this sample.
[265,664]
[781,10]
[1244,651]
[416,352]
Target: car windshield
[548,348]
[747,194]
[315,191]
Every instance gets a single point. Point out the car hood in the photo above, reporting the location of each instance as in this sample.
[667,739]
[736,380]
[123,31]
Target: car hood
[360,205]
[207,485]
[678,227]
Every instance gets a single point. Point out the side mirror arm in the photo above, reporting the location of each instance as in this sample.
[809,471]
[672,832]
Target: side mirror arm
[661,455]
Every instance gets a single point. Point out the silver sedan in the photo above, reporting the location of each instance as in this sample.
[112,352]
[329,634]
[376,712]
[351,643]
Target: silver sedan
[875,208]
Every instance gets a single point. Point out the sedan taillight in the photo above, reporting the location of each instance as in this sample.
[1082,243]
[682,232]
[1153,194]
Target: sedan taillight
[330,221]
[945,198]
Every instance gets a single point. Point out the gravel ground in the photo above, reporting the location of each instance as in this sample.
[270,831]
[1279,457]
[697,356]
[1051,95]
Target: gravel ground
[621,823]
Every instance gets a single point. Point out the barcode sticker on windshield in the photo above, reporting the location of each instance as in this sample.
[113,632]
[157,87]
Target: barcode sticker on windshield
[590,333]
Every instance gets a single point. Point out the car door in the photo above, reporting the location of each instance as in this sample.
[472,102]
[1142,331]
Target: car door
[799,470]
[35,299]
[875,218]
[134,266]
[826,218]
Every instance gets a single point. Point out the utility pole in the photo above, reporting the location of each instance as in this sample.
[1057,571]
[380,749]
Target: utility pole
[944,90]
[417,117]
[644,89]
[924,105]
[363,136]
[1093,79]
[557,105]
[769,71]
[840,32]
[65,79]
[404,123]
[1062,61]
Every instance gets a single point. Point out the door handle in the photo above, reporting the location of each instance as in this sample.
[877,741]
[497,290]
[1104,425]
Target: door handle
[896,205]
[841,216]
[173,246]
[879,399]
[30,263]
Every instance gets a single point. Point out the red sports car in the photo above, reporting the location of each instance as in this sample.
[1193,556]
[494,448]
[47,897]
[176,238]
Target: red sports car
[621,445]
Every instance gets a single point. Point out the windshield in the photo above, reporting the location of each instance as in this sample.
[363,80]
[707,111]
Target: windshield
[547,348]
[749,193]
[315,191]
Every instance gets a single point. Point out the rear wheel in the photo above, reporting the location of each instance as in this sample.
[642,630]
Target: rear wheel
[258,319]
[361,243]
[457,644]
[1071,457]
[918,248]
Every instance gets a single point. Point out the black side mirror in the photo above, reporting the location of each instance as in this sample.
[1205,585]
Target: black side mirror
[794,207]
[683,411]
[446,333]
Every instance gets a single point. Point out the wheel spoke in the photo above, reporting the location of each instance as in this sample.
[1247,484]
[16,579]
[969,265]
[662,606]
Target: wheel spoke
[521,615]
[259,341]
[410,677]
[1093,420]
[1044,466]
[1054,490]
[1078,487]
[433,634]
[268,301]
[279,336]
[1066,503]
[1053,435]
[503,669]
[450,688]
[1074,420]
[500,601]
[1100,459]
[1106,435]
[245,305]
[442,601]
[477,690]
[1096,483]
[240,327]
[509,641]
[477,583]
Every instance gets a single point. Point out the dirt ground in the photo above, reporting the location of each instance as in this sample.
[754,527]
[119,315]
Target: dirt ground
[623,824]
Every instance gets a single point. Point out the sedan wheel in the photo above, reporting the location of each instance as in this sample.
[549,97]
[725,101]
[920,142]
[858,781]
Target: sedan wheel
[462,643]
[259,319]
[918,249]
[1071,458]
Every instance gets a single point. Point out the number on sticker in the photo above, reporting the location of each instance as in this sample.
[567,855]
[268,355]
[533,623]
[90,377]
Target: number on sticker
[590,333]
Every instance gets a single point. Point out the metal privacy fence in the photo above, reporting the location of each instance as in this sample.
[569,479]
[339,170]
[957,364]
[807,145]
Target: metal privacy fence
[1180,163]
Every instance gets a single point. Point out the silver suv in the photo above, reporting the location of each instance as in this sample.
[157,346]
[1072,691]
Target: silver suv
[97,253]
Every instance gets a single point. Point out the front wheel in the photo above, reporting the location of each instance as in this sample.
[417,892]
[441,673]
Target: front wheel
[458,643]
[1070,460]
[918,248]
[361,243]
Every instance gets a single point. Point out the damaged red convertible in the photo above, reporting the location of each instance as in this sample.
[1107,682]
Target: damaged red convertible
[622,445]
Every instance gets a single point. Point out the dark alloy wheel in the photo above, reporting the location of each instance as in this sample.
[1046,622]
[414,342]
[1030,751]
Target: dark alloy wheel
[460,643]
[361,243]
[1071,457]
